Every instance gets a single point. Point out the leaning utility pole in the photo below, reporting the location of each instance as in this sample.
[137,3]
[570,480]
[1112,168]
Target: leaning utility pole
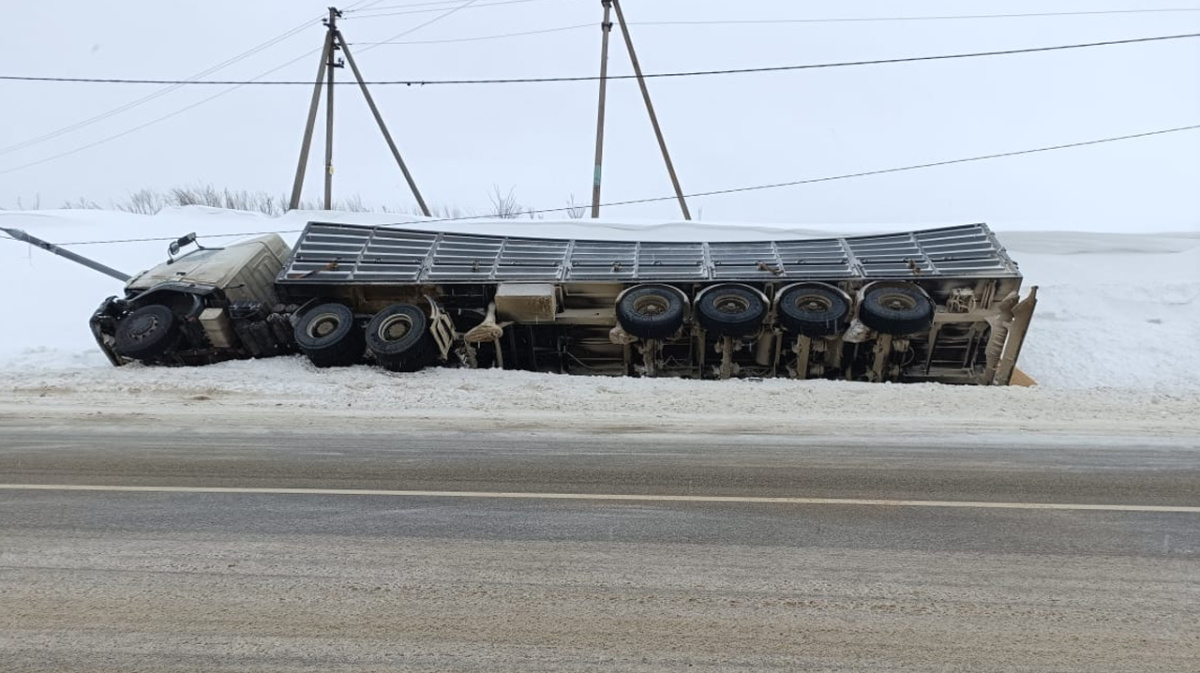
[606,28]
[335,41]
[306,143]
[637,69]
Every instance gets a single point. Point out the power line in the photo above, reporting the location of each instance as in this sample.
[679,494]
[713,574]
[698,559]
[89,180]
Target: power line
[592,78]
[480,38]
[900,169]
[461,5]
[236,86]
[865,19]
[157,94]
[947,17]
[732,190]
[729,22]
[407,5]
[425,11]
[154,121]
[162,92]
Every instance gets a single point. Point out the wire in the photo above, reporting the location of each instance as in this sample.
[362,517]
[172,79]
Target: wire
[949,17]
[480,38]
[162,92]
[157,94]
[461,6]
[236,86]
[407,5]
[154,121]
[900,169]
[732,190]
[727,22]
[592,78]
[426,11]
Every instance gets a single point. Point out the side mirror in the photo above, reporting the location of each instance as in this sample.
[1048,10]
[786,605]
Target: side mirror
[175,246]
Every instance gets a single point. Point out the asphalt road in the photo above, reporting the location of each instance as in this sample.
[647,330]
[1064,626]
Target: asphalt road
[274,548]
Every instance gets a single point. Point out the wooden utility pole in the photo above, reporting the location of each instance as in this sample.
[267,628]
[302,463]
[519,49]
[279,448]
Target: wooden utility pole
[387,136]
[335,41]
[662,144]
[329,68]
[298,182]
[606,28]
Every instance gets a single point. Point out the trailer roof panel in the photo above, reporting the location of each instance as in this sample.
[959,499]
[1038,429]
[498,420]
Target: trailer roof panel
[329,253]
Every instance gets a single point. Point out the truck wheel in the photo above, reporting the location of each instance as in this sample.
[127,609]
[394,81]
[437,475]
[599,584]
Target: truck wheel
[146,332]
[329,336]
[399,338]
[896,309]
[812,309]
[650,312]
[730,310]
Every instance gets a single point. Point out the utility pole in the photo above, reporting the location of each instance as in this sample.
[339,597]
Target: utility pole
[412,184]
[637,69]
[662,144]
[329,68]
[606,28]
[298,182]
[335,41]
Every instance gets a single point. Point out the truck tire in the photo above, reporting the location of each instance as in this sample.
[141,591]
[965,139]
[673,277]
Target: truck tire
[145,333]
[651,311]
[896,309]
[399,338]
[812,310]
[329,336]
[731,311]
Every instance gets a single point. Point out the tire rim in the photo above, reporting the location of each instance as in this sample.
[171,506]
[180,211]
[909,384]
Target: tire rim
[813,303]
[731,304]
[323,325]
[896,301]
[142,327]
[651,306]
[395,328]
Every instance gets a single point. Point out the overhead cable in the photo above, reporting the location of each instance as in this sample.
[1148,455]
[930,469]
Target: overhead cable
[945,17]
[839,19]
[162,92]
[356,14]
[731,190]
[235,86]
[445,14]
[592,78]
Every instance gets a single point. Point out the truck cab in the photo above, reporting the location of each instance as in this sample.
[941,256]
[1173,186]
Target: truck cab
[203,306]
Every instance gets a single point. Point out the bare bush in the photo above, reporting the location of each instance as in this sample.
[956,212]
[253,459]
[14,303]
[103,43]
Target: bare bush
[78,204]
[505,206]
[575,211]
[440,212]
[151,201]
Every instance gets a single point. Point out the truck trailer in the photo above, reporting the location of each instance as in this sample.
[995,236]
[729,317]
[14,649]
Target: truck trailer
[940,305]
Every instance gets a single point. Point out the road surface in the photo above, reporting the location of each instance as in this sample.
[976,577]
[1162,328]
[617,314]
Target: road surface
[163,544]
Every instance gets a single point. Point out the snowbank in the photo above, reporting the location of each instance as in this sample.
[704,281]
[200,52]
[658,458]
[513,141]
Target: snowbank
[248,394]
[1116,311]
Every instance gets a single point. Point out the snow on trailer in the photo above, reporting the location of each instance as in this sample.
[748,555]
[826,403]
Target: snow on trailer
[934,305]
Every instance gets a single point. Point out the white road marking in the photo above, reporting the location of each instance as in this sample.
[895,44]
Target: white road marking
[617,497]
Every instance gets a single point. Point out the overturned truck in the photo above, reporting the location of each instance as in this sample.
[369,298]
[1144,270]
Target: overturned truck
[936,305]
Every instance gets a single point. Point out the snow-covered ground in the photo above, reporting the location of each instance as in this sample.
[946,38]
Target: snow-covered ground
[1116,334]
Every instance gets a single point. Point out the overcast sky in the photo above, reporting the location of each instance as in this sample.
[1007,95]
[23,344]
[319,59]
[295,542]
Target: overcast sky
[727,131]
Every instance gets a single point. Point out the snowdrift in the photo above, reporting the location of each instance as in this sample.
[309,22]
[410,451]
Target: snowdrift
[1116,310]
